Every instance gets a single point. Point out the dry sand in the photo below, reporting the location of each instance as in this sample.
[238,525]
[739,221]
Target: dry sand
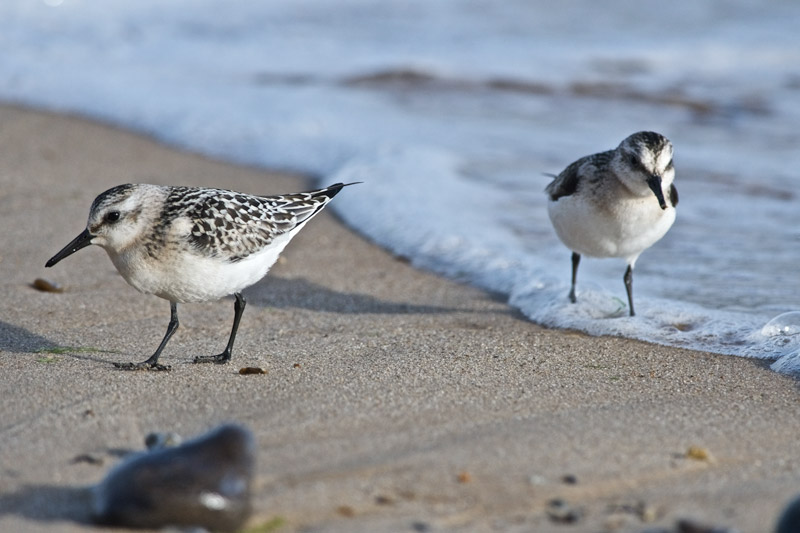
[394,400]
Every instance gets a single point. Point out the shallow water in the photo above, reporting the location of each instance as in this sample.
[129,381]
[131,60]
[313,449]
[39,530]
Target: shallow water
[452,111]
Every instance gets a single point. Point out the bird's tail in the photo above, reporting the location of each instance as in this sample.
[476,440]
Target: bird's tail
[331,190]
[305,205]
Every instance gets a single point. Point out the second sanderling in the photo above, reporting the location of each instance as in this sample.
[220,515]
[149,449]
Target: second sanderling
[194,244]
[616,203]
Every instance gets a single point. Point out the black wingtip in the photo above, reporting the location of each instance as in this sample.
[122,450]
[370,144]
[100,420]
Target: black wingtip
[332,190]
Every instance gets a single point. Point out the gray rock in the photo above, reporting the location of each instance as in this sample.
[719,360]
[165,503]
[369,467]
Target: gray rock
[203,483]
[789,522]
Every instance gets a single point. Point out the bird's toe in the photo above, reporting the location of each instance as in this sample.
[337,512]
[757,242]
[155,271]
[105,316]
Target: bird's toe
[143,366]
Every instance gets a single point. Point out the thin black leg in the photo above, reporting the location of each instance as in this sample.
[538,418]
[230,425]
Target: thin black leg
[152,362]
[628,278]
[576,260]
[224,357]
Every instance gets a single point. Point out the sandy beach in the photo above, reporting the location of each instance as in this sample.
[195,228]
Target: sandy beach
[394,400]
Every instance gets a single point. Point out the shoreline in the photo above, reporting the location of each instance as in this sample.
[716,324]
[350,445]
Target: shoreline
[393,397]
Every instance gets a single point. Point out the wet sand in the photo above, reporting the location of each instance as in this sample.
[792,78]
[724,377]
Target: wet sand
[394,400]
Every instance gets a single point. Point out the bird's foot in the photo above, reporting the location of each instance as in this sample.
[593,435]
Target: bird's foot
[219,359]
[144,365]
[572,297]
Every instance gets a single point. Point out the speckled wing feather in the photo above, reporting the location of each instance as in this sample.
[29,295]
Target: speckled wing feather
[233,225]
[566,183]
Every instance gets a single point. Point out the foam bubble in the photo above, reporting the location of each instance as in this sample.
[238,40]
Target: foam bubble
[783,325]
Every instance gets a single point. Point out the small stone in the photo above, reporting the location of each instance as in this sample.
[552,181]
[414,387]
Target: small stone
[203,483]
[464,477]
[560,512]
[88,459]
[252,370]
[569,479]
[159,440]
[644,512]
[690,526]
[537,480]
[346,510]
[41,284]
[383,500]
[698,453]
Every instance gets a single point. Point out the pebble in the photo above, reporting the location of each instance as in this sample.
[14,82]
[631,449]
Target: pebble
[698,453]
[383,500]
[642,511]
[251,370]
[205,483]
[536,479]
[690,526]
[346,510]
[41,284]
[160,440]
[88,459]
[561,512]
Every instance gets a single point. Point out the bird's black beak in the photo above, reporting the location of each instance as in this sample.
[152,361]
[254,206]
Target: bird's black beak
[654,182]
[81,241]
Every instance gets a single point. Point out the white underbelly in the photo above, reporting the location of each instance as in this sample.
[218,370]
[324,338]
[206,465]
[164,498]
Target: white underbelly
[192,277]
[211,279]
[623,231]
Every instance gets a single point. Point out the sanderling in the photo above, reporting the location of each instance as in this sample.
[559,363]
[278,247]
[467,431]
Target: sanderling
[602,205]
[193,244]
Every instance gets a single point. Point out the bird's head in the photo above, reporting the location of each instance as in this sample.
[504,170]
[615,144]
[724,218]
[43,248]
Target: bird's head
[117,219]
[643,162]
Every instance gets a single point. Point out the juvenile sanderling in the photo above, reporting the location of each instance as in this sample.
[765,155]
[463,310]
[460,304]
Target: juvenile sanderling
[602,205]
[193,244]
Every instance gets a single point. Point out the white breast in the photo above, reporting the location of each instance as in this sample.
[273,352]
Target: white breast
[624,228]
[186,275]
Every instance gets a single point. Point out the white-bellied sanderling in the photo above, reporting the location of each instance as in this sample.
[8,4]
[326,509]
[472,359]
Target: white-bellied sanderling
[193,244]
[603,205]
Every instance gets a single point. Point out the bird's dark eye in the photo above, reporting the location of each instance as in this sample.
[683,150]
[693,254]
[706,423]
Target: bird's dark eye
[670,165]
[634,160]
[112,216]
